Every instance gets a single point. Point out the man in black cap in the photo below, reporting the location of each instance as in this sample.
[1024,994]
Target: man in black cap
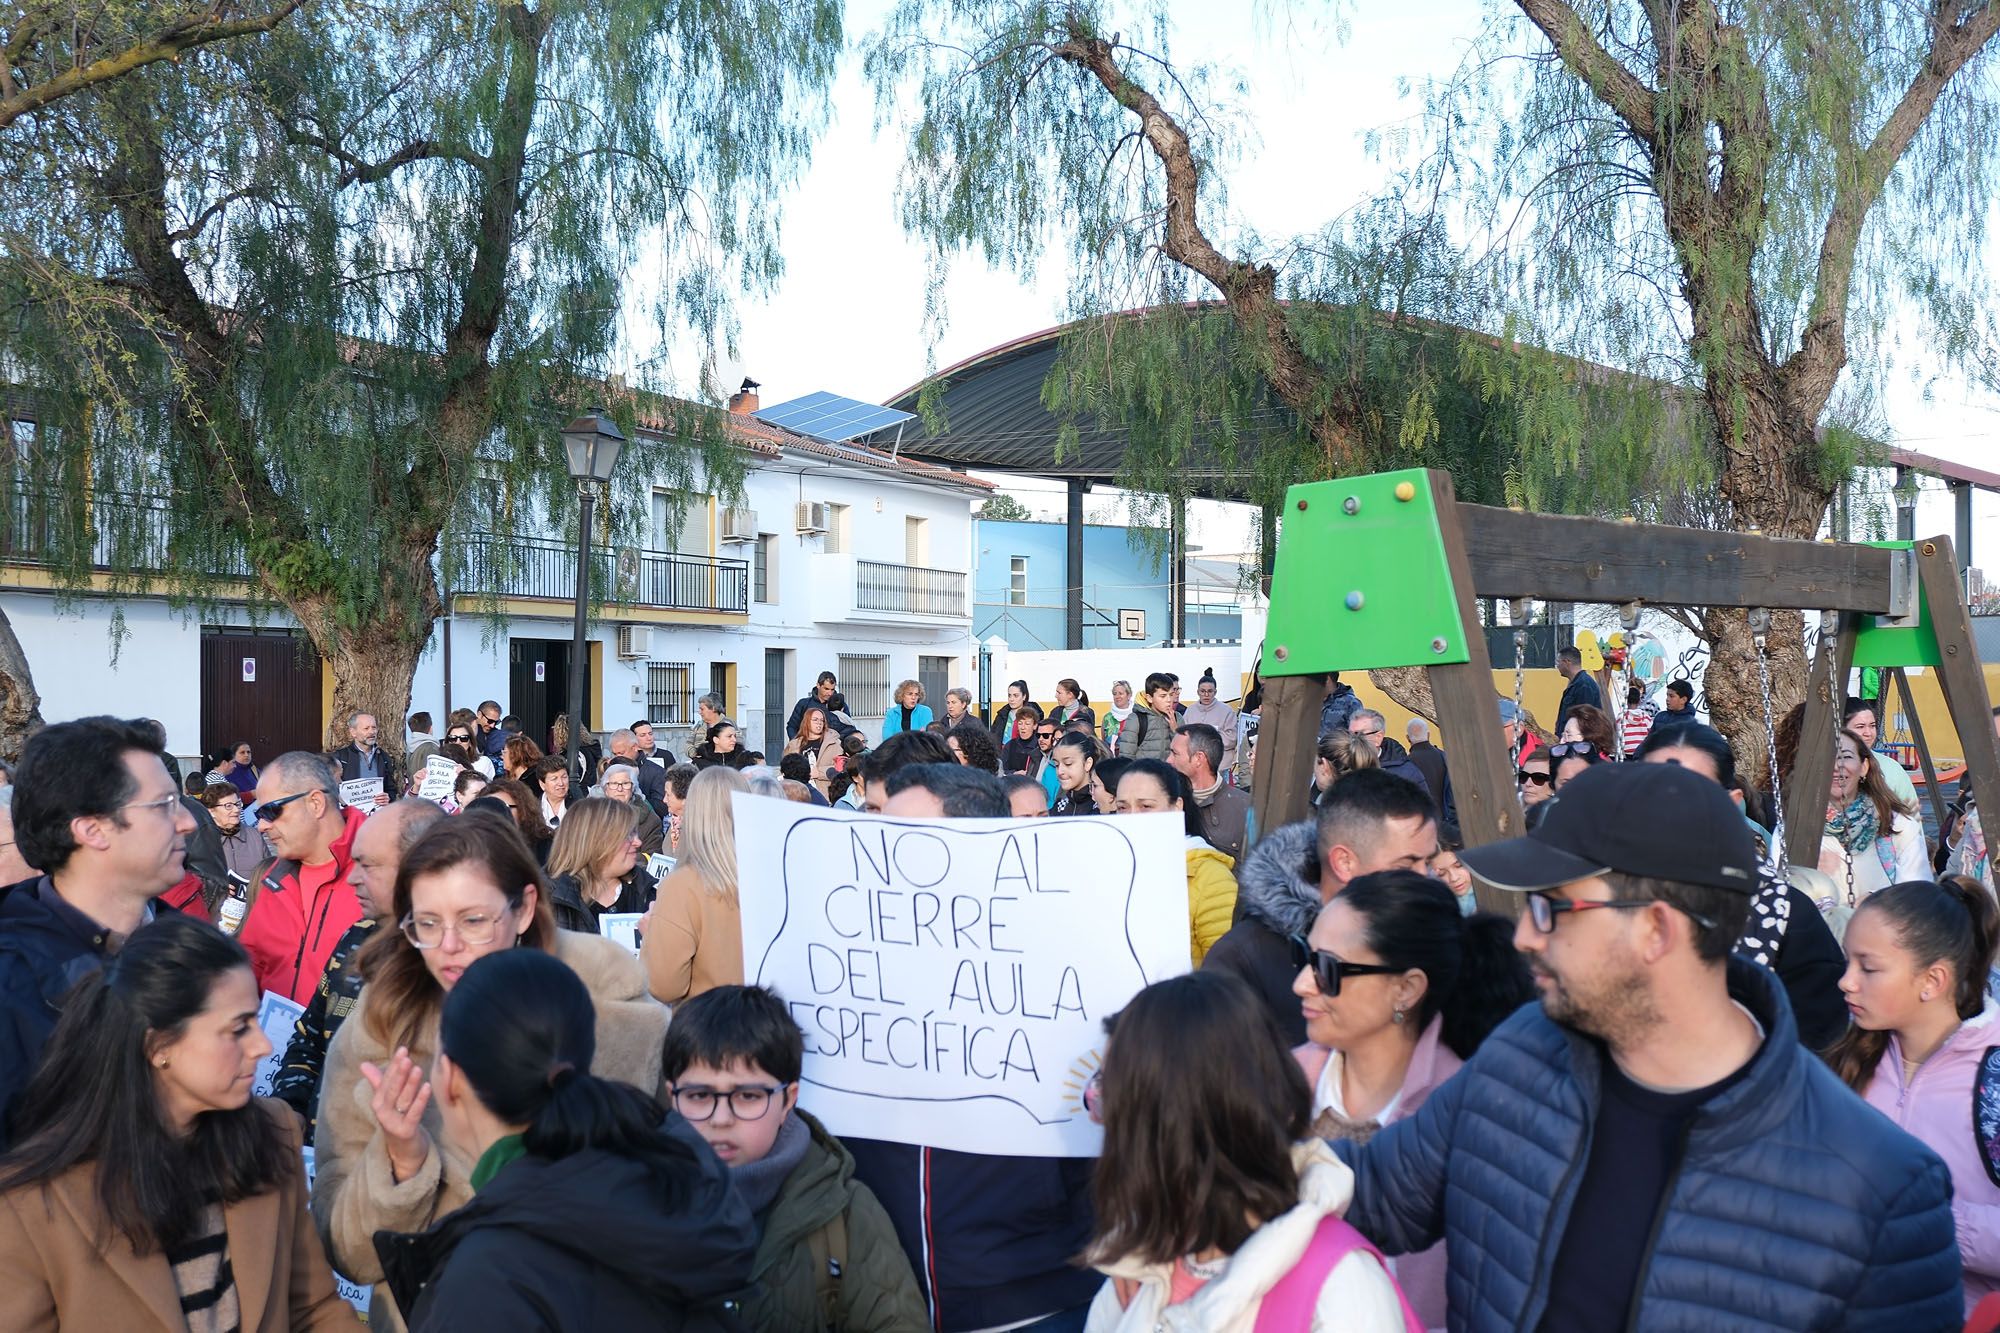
[1650,1147]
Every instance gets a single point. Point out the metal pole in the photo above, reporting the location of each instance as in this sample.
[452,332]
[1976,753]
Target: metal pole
[1073,566]
[578,654]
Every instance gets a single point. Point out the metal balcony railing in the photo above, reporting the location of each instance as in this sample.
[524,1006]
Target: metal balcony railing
[532,567]
[120,531]
[923,592]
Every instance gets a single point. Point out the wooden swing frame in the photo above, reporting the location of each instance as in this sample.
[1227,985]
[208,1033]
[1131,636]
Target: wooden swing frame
[1505,553]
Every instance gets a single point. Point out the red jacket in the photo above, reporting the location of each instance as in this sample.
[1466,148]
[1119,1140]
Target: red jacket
[290,938]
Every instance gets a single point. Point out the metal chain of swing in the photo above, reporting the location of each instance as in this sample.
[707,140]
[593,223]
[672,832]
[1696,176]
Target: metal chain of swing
[1517,612]
[1760,635]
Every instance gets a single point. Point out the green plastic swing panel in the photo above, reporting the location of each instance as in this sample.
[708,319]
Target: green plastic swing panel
[1876,646]
[1390,551]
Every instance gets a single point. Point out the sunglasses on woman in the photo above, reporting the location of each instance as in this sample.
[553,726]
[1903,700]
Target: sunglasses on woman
[1529,775]
[1573,750]
[1328,969]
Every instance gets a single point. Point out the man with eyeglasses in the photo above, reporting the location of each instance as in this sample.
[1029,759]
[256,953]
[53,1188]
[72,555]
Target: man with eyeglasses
[1650,1146]
[1372,727]
[492,740]
[304,903]
[97,811]
[651,778]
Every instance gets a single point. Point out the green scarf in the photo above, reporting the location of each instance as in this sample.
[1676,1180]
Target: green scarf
[505,1150]
[1855,826]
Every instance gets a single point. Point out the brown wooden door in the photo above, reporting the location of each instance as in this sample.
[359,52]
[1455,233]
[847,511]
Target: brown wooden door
[263,688]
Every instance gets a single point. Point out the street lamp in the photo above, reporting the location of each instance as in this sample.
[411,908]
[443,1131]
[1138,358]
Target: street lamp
[592,443]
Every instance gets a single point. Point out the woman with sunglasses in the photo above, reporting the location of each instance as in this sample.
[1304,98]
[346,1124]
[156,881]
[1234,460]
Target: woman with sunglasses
[1211,1190]
[1399,988]
[591,1207]
[462,743]
[1534,776]
[1571,758]
[467,889]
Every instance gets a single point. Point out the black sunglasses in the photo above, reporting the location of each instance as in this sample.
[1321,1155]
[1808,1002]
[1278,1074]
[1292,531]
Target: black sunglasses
[459,736]
[1539,779]
[1328,970]
[268,812]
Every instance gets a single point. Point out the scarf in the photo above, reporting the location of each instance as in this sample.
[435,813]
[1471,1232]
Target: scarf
[1857,826]
[1120,714]
[505,1150]
[1770,908]
[759,1181]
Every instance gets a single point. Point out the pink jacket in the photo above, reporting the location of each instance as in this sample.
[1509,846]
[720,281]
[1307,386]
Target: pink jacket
[1420,1275]
[1936,1108]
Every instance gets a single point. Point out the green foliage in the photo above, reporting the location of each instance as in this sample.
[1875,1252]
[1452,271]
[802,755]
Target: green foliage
[1005,507]
[400,237]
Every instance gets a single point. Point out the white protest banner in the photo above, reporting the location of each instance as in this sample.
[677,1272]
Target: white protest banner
[623,927]
[361,792]
[277,1016]
[440,776]
[952,976]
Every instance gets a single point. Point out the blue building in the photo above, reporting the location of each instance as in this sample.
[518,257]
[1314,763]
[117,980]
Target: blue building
[1021,588]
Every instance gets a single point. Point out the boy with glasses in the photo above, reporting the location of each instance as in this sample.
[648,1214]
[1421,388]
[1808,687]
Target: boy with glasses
[1651,1147]
[827,1256]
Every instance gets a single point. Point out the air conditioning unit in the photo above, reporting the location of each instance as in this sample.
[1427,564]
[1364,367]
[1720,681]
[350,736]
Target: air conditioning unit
[812,517]
[739,525]
[635,641]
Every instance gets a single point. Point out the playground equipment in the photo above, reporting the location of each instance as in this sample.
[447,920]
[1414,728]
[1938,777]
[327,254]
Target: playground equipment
[1385,571]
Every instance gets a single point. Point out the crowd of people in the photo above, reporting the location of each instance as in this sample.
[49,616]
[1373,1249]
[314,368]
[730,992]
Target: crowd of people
[1680,1089]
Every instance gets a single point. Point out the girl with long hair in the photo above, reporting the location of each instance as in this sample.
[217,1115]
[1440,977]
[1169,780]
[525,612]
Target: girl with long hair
[1212,1195]
[693,936]
[594,865]
[592,1209]
[147,1189]
[723,748]
[1399,988]
[1340,753]
[518,758]
[527,808]
[1076,754]
[818,742]
[1872,839]
[467,889]
[1918,955]
[1004,719]
[1146,785]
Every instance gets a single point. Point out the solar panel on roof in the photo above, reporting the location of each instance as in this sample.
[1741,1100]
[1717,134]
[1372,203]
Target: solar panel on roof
[828,416]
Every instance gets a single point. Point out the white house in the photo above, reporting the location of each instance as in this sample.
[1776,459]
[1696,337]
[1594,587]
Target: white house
[842,558]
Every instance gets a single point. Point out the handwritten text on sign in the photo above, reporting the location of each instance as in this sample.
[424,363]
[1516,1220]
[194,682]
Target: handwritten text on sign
[952,976]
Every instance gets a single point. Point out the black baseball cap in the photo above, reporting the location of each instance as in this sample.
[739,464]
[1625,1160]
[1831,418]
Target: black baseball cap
[1657,820]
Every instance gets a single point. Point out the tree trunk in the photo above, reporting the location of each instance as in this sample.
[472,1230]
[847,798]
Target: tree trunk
[372,671]
[20,704]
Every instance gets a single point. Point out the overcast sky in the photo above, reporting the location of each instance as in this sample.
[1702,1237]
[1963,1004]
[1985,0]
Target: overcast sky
[848,315]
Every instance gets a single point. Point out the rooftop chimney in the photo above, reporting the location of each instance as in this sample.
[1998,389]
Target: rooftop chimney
[744,400]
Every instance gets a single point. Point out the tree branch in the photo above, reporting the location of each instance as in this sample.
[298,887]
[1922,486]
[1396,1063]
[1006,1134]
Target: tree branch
[1250,290]
[1958,32]
[168,43]
[1614,85]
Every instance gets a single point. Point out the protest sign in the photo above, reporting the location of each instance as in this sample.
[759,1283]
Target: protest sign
[952,976]
[440,776]
[623,927]
[361,792]
[277,1015]
[659,865]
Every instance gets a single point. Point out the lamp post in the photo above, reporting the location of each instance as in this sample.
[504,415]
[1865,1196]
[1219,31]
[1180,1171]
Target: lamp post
[592,443]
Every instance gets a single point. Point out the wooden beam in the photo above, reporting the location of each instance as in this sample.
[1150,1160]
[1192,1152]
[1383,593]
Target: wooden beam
[1287,744]
[1559,558]
[1811,778]
[1959,674]
[1931,788]
[1489,807]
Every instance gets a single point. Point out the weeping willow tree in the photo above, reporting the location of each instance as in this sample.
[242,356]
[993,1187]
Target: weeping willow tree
[1744,202]
[1231,364]
[314,301]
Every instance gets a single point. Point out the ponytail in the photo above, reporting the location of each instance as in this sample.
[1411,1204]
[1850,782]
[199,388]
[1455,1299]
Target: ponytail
[1952,921]
[1475,977]
[521,1027]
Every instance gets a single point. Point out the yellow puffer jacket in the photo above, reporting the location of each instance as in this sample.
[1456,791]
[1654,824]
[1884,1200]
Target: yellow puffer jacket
[1211,896]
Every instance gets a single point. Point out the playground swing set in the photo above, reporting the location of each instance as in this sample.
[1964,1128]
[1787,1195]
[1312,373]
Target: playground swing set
[1386,571]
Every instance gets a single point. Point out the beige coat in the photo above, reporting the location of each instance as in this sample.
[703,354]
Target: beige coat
[822,755]
[356,1194]
[53,1275]
[692,939]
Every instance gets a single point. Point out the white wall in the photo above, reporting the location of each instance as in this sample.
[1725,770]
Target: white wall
[1096,668]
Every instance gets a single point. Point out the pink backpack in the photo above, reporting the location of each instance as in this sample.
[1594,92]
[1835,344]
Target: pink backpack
[1288,1307]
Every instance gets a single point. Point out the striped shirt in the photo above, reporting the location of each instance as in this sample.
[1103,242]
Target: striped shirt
[202,1276]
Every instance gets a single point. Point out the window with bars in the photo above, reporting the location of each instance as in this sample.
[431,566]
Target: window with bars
[864,679]
[669,693]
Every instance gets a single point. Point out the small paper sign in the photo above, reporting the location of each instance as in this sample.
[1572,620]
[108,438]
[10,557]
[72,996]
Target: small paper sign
[541,672]
[354,1293]
[277,1016]
[360,791]
[249,670]
[440,775]
[659,865]
[623,927]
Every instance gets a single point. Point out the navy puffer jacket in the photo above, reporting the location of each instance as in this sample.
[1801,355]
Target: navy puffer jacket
[1797,1206]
